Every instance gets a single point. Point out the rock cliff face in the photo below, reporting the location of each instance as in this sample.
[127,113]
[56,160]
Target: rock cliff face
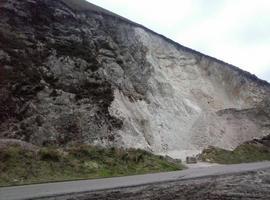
[71,72]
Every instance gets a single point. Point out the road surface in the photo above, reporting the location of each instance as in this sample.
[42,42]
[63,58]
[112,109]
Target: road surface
[61,188]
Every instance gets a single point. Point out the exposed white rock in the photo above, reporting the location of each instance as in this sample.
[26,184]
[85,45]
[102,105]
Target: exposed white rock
[179,116]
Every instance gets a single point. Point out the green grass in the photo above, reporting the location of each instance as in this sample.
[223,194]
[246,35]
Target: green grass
[243,154]
[18,167]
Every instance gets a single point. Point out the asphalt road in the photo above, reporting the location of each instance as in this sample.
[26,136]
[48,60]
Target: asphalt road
[60,188]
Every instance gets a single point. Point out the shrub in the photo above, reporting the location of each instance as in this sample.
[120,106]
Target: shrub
[243,153]
[84,151]
[49,154]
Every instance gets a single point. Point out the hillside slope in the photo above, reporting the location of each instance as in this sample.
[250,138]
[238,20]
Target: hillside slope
[71,72]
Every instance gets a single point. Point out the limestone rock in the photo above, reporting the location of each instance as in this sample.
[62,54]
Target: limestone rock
[71,72]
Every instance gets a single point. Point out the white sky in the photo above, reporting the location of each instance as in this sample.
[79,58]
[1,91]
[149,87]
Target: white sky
[235,31]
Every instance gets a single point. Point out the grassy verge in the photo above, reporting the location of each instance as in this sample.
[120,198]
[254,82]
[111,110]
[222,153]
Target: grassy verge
[243,154]
[18,166]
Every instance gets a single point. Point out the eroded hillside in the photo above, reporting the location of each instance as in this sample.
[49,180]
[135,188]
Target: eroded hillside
[72,72]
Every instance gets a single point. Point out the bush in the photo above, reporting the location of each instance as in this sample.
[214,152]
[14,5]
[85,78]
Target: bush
[85,151]
[49,154]
[243,153]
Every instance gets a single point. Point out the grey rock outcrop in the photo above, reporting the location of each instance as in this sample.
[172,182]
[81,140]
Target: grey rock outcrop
[71,72]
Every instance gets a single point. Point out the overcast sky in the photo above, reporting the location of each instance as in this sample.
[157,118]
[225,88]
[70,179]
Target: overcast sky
[235,31]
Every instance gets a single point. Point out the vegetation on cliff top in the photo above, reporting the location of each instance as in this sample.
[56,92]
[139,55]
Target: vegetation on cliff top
[19,166]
